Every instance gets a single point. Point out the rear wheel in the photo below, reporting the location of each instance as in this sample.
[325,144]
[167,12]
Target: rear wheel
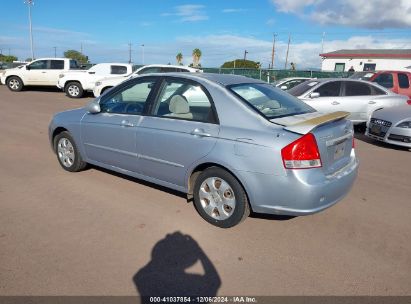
[67,153]
[15,84]
[219,198]
[74,90]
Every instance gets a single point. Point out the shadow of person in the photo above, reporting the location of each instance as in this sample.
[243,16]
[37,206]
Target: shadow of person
[165,275]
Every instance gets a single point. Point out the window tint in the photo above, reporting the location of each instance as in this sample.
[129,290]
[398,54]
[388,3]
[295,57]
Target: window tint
[130,100]
[269,101]
[292,83]
[149,70]
[403,81]
[56,64]
[118,69]
[74,65]
[184,100]
[377,91]
[329,89]
[384,80]
[369,67]
[302,88]
[38,65]
[356,89]
[168,70]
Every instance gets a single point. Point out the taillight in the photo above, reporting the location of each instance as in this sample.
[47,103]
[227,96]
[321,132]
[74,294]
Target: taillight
[353,142]
[302,153]
[409,101]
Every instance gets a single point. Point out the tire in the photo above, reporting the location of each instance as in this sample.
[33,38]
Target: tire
[74,90]
[219,198]
[67,153]
[15,84]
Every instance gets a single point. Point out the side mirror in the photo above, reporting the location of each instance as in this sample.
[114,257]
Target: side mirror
[27,67]
[314,95]
[284,87]
[92,72]
[93,107]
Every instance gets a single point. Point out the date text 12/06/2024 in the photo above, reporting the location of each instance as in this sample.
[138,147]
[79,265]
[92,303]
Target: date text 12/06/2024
[239,299]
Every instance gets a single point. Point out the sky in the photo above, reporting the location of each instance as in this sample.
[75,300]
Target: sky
[221,29]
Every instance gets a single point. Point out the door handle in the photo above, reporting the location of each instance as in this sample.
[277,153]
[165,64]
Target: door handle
[44,72]
[200,133]
[372,102]
[126,123]
[334,103]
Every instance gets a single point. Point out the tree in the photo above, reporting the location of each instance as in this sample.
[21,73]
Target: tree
[196,57]
[9,58]
[241,63]
[76,55]
[179,58]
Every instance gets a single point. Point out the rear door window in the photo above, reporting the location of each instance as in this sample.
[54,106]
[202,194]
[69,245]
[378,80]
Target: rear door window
[329,89]
[385,80]
[356,89]
[149,70]
[56,64]
[403,81]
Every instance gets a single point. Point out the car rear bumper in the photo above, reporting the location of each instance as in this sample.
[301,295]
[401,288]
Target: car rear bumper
[301,192]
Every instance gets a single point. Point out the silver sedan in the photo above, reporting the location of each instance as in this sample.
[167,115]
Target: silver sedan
[232,143]
[358,97]
[392,125]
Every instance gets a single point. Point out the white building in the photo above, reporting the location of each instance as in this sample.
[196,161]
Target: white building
[367,60]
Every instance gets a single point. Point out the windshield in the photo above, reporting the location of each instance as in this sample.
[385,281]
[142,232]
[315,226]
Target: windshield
[269,101]
[300,89]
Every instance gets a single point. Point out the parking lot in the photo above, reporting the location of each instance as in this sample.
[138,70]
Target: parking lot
[93,233]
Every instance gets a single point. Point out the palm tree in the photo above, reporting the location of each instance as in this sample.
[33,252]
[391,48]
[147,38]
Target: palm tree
[196,57]
[179,58]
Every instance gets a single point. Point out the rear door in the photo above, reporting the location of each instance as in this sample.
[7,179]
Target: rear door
[357,99]
[55,67]
[182,128]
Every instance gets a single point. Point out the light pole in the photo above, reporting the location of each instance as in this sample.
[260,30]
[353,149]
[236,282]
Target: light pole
[29,4]
[55,51]
[143,52]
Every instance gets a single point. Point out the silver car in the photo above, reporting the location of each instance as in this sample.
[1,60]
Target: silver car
[232,143]
[358,97]
[288,83]
[392,125]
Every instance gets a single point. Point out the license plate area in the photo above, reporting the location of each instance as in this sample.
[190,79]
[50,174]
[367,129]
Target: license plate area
[339,150]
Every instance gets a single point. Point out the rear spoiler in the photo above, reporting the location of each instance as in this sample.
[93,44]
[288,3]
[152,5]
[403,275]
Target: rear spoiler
[308,125]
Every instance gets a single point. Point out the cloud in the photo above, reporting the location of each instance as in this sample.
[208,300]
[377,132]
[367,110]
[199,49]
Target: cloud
[234,10]
[376,14]
[189,13]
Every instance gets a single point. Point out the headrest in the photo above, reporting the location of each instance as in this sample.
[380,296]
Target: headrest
[179,105]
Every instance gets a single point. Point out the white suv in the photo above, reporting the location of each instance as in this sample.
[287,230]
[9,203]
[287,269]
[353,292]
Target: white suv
[75,83]
[107,83]
[40,72]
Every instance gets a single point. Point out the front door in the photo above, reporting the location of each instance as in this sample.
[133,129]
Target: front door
[181,129]
[329,99]
[109,137]
[37,73]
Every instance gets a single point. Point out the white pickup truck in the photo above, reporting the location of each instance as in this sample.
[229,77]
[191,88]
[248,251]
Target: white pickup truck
[40,72]
[75,83]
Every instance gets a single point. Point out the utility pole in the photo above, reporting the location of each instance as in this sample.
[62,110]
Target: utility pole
[129,52]
[322,43]
[143,52]
[55,51]
[81,48]
[29,4]
[288,48]
[273,52]
[245,54]
[9,52]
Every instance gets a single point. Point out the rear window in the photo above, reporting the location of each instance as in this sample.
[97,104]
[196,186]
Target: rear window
[269,101]
[300,89]
[403,81]
[118,69]
[57,64]
[74,65]
[356,89]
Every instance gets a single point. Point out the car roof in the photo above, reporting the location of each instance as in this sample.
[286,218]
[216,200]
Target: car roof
[223,79]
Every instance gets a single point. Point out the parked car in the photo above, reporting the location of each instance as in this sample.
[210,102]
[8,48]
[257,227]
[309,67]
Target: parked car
[231,152]
[358,97]
[76,83]
[397,81]
[362,75]
[107,83]
[288,83]
[391,125]
[40,72]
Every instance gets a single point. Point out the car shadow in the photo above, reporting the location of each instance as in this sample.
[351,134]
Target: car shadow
[272,217]
[51,89]
[142,182]
[167,274]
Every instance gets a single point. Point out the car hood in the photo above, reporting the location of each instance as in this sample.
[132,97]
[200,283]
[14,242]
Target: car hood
[304,123]
[393,113]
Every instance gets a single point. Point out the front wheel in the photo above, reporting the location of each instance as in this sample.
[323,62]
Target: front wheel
[67,153]
[74,90]
[219,198]
[15,84]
